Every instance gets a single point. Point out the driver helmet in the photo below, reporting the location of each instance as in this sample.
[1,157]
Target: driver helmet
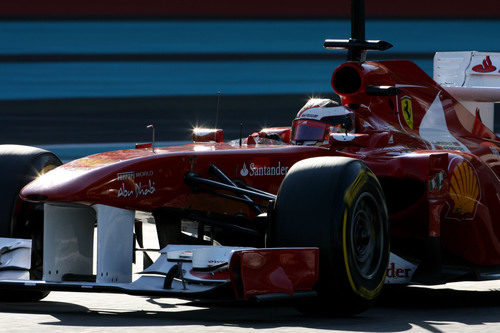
[317,119]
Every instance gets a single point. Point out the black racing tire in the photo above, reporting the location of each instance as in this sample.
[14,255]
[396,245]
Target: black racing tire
[337,205]
[19,165]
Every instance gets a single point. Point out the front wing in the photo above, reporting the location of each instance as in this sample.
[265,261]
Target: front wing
[188,271]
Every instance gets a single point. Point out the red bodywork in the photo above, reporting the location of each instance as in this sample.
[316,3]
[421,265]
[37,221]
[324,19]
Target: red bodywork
[270,271]
[437,164]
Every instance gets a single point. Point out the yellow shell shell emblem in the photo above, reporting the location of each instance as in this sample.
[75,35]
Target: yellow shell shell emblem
[407,110]
[464,189]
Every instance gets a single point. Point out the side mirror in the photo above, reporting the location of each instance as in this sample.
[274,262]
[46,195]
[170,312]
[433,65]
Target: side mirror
[348,139]
[208,135]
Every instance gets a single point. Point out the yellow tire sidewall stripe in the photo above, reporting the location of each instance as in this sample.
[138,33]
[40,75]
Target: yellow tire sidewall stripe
[349,197]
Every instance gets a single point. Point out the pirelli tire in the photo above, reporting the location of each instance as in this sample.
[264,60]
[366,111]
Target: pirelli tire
[337,205]
[19,219]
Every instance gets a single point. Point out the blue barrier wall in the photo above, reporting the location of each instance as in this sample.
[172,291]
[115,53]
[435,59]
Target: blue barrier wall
[64,59]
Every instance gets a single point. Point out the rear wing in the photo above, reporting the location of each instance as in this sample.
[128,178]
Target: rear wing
[471,77]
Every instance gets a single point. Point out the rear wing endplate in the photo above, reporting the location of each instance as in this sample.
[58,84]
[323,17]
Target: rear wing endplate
[471,77]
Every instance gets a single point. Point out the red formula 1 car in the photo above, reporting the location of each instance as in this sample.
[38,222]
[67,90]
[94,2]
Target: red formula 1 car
[305,212]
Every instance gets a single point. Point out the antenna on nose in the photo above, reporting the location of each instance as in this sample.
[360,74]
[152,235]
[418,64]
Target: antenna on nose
[357,46]
[218,108]
[153,139]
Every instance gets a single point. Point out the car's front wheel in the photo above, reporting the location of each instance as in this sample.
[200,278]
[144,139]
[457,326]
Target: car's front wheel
[337,205]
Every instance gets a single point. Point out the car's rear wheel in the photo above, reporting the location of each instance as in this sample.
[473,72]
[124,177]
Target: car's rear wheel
[337,205]
[19,219]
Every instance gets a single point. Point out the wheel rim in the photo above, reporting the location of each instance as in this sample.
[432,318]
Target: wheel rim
[366,236]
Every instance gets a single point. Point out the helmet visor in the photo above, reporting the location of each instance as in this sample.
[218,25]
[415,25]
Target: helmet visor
[309,130]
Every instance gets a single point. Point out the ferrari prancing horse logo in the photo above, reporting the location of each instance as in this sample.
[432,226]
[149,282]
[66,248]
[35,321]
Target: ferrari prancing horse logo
[407,110]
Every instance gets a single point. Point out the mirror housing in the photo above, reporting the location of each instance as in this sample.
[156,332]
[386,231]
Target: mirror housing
[208,135]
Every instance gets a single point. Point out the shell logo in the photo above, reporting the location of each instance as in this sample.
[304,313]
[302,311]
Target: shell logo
[464,189]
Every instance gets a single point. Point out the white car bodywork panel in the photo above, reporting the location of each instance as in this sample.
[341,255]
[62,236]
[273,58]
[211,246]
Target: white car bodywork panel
[15,258]
[69,242]
[68,235]
[115,244]
[473,78]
